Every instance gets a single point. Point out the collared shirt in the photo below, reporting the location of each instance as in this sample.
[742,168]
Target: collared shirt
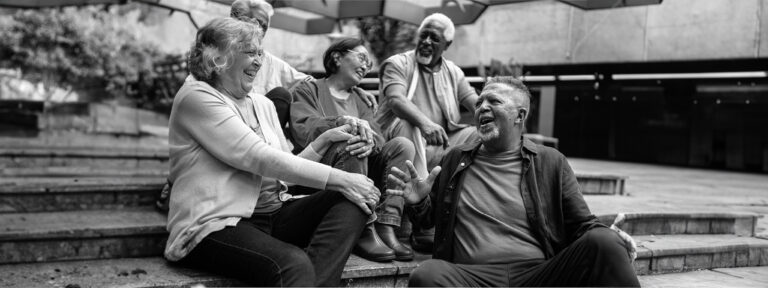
[554,207]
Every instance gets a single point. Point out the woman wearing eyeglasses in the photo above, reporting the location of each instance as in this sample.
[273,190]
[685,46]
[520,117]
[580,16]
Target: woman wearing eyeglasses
[332,102]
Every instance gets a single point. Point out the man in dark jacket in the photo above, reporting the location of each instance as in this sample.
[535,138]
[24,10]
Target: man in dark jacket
[509,212]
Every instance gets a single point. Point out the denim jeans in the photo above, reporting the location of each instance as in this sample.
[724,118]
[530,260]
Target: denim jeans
[376,166]
[305,243]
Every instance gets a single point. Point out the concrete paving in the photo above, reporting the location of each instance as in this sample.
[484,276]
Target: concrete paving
[658,188]
[730,277]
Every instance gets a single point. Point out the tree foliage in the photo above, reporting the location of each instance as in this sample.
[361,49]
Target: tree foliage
[74,46]
[387,37]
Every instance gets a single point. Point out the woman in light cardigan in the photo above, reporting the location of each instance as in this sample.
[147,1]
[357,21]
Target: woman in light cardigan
[229,210]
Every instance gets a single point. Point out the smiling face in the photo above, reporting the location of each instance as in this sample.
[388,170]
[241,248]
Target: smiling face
[499,113]
[237,79]
[354,64]
[431,44]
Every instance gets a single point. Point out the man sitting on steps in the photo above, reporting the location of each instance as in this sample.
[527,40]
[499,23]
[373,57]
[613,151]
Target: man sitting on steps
[509,212]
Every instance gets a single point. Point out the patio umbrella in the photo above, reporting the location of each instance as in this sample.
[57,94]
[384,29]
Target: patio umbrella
[411,11]
[607,4]
[320,16]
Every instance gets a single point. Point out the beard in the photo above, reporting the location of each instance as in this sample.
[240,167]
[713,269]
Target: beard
[488,134]
[423,60]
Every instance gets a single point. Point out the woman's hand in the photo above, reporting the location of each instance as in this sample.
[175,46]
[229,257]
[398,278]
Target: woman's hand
[359,127]
[356,146]
[341,133]
[356,188]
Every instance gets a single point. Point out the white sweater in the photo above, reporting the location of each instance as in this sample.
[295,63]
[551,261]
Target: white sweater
[217,164]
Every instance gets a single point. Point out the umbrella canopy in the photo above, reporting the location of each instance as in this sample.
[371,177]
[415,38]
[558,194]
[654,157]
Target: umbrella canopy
[320,16]
[300,21]
[607,4]
[414,11]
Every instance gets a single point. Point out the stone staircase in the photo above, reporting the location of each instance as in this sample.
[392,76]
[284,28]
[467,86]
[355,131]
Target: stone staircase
[91,223]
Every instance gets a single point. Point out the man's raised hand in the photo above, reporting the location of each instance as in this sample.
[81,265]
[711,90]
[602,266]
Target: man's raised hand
[410,186]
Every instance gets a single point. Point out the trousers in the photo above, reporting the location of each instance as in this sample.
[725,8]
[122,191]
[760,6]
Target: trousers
[597,258]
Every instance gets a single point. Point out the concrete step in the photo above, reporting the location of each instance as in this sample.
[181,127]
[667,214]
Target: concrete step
[676,253]
[742,224]
[156,272]
[715,278]
[40,194]
[96,234]
[44,156]
[84,171]
[601,184]
[77,235]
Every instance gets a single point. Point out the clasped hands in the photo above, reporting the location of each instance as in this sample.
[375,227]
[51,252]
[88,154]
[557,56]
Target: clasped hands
[361,143]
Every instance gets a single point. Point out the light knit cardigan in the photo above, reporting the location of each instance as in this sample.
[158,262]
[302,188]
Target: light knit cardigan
[217,163]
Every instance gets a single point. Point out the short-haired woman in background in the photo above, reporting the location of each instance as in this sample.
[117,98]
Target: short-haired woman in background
[332,102]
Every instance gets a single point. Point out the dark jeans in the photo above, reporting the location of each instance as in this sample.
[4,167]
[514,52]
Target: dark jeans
[376,166]
[598,258]
[266,249]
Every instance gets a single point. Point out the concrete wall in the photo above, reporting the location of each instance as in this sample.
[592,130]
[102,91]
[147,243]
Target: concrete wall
[549,32]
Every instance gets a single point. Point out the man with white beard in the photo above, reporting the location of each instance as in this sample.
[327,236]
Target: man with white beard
[420,96]
[509,212]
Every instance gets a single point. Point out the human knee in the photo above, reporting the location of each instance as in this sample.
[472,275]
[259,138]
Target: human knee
[348,211]
[295,268]
[404,147]
[428,274]
[343,160]
[604,239]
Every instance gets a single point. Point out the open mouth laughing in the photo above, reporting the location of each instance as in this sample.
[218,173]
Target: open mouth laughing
[486,122]
[360,72]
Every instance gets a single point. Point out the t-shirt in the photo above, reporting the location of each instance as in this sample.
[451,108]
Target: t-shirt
[345,106]
[446,81]
[491,223]
[269,199]
[425,98]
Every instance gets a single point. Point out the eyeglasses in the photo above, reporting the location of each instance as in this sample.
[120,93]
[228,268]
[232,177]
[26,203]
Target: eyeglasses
[363,58]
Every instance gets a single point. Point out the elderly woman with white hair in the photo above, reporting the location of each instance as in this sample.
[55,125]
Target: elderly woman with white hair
[229,210]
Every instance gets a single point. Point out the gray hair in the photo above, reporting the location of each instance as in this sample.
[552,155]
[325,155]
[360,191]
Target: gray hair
[440,18]
[241,9]
[216,41]
[514,84]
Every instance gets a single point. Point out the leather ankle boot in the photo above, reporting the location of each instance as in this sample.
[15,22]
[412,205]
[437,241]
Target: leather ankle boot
[370,246]
[387,234]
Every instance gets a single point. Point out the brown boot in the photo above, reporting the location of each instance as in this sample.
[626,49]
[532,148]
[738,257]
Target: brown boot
[387,234]
[370,246]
